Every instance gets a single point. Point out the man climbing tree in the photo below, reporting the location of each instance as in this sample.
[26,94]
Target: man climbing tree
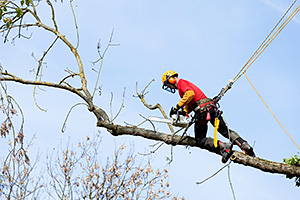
[206,110]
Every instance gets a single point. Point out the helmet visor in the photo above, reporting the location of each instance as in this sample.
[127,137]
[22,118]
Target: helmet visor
[168,88]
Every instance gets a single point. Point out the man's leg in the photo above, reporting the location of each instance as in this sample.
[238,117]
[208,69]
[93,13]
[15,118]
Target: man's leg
[223,148]
[234,137]
[201,139]
[223,129]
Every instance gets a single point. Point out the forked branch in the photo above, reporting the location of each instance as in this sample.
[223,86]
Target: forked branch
[142,95]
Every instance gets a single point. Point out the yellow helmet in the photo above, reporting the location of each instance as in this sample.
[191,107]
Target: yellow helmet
[168,74]
[169,81]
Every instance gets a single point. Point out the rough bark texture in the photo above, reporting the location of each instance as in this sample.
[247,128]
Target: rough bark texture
[87,96]
[265,165]
[118,130]
[237,157]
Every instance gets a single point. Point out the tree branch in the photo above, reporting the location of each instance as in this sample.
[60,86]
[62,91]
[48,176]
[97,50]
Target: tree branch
[44,83]
[237,157]
[141,96]
[265,165]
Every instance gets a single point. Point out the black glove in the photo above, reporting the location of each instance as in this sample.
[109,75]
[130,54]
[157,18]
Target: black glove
[182,112]
[174,110]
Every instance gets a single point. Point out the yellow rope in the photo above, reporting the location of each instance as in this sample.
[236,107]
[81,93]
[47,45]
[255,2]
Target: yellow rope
[271,110]
[286,12]
[266,44]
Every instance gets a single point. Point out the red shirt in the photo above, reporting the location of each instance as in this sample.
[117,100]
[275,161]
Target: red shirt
[184,85]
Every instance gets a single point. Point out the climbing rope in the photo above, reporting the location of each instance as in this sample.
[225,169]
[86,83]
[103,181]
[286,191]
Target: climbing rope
[265,44]
[271,111]
[261,45]
[270,37]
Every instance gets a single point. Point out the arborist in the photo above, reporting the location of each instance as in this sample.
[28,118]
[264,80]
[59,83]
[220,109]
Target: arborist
[206,110]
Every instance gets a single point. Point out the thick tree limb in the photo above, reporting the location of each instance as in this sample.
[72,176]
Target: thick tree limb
[265,165]
[237,157]
[102,117]
[118,130]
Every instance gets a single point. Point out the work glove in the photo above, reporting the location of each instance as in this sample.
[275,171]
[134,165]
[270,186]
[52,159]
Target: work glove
[183,113]
[174,110]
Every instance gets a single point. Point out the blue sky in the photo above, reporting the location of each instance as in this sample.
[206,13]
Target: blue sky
[206,42]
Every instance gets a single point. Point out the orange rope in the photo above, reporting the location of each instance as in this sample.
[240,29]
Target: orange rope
[271,111]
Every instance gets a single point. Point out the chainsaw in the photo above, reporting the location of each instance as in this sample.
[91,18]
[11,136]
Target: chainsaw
[176,120]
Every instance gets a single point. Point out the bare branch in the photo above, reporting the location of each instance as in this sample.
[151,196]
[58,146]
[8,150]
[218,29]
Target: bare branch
[69,76]
[121,107]
[101,58]
[141,96]
[43,83]
[64,124]
[75,21]
[53,14]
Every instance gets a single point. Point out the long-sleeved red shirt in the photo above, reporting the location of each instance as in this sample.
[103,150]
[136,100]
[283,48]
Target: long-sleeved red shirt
[189,94]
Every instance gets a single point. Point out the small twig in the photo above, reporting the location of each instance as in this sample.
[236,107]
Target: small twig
[214,173]
[71,75]
[170,160]
[110,105]
[132,125]
[143,92]
[229,179]
[149,121]
[153,145]
[151,152]
[39,73]
[53,14]
[69,71]
[230,183]
[121,107]
[101,58]
[75,21]
[44,55]
[65,122]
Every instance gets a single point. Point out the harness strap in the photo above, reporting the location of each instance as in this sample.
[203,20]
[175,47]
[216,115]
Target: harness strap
[202,104]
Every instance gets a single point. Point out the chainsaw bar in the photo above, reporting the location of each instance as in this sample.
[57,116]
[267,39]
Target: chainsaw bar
[175,120]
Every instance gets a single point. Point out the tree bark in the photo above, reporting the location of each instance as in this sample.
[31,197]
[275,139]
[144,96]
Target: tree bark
[118,130]
[236,157]
[265,165]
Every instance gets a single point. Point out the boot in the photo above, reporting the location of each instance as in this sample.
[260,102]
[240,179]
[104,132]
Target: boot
[245,147]
[225,150]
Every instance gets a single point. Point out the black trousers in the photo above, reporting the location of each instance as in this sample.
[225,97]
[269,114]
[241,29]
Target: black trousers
[201,128]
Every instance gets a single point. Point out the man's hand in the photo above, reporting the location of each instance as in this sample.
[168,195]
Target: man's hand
[183,113]
[174,110]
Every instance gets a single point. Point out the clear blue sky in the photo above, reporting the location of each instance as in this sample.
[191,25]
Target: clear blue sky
[206,42]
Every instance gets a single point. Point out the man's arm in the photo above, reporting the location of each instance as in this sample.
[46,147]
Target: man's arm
[184,101]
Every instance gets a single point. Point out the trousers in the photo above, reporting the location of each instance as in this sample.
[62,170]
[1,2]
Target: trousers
[201,127]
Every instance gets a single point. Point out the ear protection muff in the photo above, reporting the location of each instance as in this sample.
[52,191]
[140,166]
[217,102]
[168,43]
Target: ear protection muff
[172,80]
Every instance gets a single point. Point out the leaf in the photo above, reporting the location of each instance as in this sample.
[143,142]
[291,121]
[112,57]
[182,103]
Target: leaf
[28,2]
[8,21]
[22,2]
[1,14]
[19,12]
